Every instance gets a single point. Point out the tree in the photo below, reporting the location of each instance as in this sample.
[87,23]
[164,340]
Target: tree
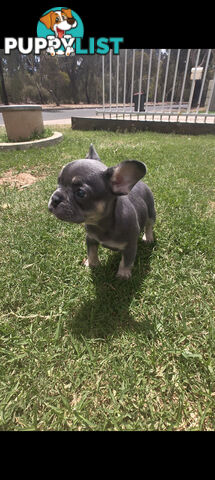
[3,88]
[78,78]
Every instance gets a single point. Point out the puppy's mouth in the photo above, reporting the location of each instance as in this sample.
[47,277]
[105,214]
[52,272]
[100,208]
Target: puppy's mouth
[60,33]
[62,27]
[63,211]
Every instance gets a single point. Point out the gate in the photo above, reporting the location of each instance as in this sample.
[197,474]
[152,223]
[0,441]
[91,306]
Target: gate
[159,85]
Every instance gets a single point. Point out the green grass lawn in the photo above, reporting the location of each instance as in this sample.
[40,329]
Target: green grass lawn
[83,350]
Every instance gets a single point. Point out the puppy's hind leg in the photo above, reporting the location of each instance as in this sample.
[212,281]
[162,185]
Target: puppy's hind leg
[127,261]
[148,231]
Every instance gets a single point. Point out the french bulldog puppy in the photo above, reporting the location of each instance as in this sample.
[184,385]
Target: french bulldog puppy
[112,202]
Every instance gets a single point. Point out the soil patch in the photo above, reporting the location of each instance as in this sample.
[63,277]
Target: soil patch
[19,180]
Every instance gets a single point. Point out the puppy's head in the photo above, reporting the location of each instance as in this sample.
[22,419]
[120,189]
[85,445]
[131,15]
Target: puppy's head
[87,188]
[59,21]
[80,190]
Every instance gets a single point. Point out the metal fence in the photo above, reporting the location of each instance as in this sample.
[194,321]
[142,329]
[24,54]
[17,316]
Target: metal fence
[159,85]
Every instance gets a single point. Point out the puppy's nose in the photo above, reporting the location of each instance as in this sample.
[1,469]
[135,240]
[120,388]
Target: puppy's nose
[56,199]
[71,20]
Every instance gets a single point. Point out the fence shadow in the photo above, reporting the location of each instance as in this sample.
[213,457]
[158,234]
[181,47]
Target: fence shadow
[110,310]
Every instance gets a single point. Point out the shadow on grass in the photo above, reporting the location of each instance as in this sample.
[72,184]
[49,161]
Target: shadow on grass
[110,310]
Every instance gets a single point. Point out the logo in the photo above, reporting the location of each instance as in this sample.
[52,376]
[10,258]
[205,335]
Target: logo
[60,27]
[60,31]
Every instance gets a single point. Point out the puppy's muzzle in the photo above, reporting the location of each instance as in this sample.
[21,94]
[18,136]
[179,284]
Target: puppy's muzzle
[55,200]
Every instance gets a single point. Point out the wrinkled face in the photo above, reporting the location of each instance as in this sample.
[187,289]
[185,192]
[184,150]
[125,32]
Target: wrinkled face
[81,194]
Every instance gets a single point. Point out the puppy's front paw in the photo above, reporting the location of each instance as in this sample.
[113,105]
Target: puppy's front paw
[124,273]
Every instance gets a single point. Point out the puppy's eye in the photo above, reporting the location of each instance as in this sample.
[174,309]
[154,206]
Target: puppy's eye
[80,193]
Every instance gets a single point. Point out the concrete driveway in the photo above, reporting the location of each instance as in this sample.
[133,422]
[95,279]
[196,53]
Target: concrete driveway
[62,116]
[55,116]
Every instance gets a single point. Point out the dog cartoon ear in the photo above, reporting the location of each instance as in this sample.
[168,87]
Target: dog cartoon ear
[123,177]
[70,19]
[67,12]
[92,154]
[47,19]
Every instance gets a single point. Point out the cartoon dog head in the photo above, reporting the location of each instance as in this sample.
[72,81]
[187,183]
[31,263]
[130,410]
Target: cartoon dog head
[59,21]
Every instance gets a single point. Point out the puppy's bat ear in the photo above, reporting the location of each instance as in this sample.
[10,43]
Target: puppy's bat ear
[123,177]
[92,154]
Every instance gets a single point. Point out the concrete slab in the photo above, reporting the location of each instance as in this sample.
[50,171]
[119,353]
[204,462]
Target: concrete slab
[43,142]
[59,121]
[79,123]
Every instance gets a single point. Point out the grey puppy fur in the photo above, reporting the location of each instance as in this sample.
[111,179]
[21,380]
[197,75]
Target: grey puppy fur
[112,202]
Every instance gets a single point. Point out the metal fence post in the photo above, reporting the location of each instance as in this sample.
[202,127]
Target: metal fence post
[158,64]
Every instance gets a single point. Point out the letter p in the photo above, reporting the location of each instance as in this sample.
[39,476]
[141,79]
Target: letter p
[9,44]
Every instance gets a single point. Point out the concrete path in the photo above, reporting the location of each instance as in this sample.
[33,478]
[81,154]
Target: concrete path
[58,116]
[62,115]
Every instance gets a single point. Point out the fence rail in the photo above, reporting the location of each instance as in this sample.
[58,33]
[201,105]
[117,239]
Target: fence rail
[174,85]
